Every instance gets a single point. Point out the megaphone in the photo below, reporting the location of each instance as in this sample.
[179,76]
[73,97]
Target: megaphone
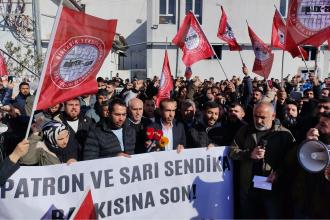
[314,156]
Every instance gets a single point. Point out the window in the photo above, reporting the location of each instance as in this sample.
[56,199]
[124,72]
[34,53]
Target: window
[195,6]
[312,52]
[283,8]
[167,11]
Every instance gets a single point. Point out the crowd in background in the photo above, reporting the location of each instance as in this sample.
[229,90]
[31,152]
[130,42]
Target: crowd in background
[263,122]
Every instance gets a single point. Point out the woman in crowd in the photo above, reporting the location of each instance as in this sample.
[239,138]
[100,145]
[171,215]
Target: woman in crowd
[54,146]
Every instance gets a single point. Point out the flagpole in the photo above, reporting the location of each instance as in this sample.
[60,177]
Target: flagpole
[240,55]
[219,63]
[42,77]
[282,69]
[223,70]
[302,56]
[315,66]
[11,57]
[166,43]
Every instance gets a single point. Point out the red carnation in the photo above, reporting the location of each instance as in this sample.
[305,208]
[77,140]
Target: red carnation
[150,133]
[158,135]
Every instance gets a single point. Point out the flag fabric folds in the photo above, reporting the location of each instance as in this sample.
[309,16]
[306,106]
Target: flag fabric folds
[192,40]
[225,32]
[86,209]
[307,22]
[3,66]
[166,81]
[279,38]
[77,50]
[264,57]
[278,31]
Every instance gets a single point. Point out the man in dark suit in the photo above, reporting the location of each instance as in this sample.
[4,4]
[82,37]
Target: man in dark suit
[171,128]
[111,137]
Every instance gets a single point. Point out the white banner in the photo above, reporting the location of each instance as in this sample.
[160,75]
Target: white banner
[196,183]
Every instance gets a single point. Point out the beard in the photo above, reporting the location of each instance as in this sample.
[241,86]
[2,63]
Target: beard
[261,128]
[289,122]
[324,138]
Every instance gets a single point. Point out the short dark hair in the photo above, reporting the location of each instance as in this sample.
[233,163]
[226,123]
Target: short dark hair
[99,79]
[166,100]
[110,82]
[324,99]
[102,92]
[23,84]
[210,104]
[116,101]
[292,102]
[75,98]
[234,104]
[105,103]
[258,90]
[308,90]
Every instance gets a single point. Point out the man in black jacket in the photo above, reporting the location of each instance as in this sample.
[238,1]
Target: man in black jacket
[138,122]
[111,137]
[199,132]
[78,124]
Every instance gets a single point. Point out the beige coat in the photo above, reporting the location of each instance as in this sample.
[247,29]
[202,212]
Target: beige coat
[38,153]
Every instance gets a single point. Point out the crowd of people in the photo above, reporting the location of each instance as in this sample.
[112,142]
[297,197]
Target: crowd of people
[262,121]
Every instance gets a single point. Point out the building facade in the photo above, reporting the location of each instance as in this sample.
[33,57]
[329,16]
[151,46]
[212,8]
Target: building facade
[149,26]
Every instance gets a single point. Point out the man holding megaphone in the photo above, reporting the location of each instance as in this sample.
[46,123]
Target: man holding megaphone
[310,172]
[318,158]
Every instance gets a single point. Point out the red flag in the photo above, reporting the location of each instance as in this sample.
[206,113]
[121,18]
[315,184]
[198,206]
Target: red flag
[166,82]
[307,22]
[76,53]
[86,209]
[278,32]
[225,32]
[279,37]
[192,40]
[3,66]
[264,56]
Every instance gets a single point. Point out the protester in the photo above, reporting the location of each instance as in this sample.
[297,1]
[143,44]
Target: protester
[9,165]
[20,100]
[260,149]
[113,136]
[172,129]
[138,122]
[256,97]
[198,113]
[95,112]
[199,132]
[309,191]
[224,135]
[53,146]
[149,107]
[78,124]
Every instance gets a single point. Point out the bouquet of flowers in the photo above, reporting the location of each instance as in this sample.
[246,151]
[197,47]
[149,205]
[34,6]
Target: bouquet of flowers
[156,141]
